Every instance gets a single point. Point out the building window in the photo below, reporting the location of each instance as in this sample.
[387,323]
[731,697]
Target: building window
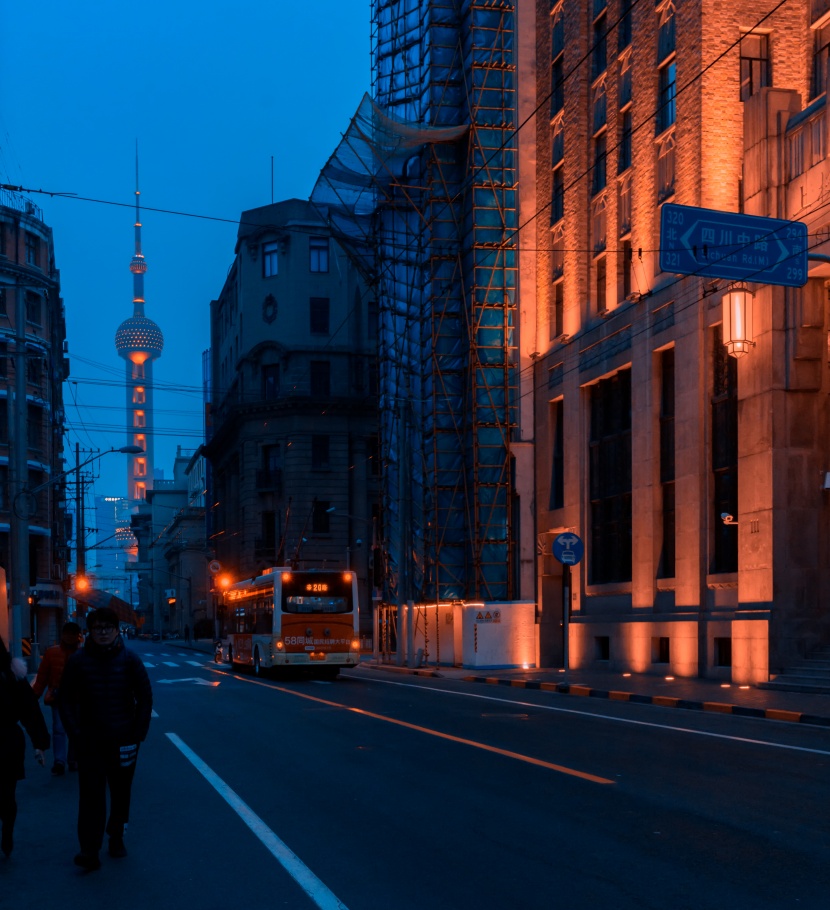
[270,381]
[624,80]
[139,395]
[755,69]
[319,315]
[665,33]
[137,371]
[373,313]
[320,517]
[4,359]
[270,261]
[556,311]
[320,378]
[557,142]
[32,249]
[600,106]
[2,239]
[610,479]
[601,285]
[667,557]
[34,369]
[34,307]
[795,154]
[600,177]
[624,267]
[140,467]
[557,56]
[665,167]
[34,427]
[3,302]
[624,204]
[599,54]
[318,254]
[557,473]
[558,252]
[557,207]
[139,419]
[666,98]
[598,224]
[821,56]
[624,161]
[624,27]
[816,141]
[724,454]
[319,453]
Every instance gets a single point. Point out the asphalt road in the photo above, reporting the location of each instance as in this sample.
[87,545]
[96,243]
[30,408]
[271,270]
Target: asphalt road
[380,792]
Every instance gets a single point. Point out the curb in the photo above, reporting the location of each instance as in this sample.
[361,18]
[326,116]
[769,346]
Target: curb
[663,701]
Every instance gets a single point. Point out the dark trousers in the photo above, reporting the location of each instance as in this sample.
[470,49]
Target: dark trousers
[101,766]
[8,804]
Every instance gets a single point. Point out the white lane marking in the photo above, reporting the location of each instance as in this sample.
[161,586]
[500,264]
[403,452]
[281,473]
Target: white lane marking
[617,720]
[153,712]
[149,665]
[293,865]
[195,663]
[169,663]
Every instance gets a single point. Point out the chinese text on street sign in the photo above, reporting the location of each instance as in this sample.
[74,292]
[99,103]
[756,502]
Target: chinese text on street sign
[713,244]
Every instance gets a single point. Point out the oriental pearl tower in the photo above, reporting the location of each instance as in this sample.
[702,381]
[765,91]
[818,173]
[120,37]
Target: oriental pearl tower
[139,341]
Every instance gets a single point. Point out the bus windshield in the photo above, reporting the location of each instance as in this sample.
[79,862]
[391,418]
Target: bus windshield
[320,592]
[302,604]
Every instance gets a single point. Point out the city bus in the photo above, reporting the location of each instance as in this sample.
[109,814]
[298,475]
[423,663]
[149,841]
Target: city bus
[300,618]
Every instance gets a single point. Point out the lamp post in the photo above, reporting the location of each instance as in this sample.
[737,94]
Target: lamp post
[24,506]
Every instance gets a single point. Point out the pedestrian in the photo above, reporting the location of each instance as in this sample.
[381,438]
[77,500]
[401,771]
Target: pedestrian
[18,705]
[105,701]
[48,680]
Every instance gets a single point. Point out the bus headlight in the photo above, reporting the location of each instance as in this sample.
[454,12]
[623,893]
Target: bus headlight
[355,644]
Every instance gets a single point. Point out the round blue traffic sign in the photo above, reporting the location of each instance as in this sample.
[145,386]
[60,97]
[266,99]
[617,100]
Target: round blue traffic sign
[568,548]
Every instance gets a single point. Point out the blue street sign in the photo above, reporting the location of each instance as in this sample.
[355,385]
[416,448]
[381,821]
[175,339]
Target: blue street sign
[568,548]
[695,241]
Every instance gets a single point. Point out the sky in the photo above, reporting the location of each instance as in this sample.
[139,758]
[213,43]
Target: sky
[211,92]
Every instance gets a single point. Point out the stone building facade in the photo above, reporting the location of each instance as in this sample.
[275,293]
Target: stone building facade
[648,432]
[293,411]
[33,366]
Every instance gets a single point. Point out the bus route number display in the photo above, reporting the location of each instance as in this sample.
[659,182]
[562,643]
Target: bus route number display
[317,587]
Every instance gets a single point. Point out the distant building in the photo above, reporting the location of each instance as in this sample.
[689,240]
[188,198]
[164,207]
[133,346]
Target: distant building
[172,566]
[293,412]
[33,366]
[108,559]
[694,477]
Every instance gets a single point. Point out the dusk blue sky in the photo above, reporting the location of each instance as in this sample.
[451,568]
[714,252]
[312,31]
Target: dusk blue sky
[211,91]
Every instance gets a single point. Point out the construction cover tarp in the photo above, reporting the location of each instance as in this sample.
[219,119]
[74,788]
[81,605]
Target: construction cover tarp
[97,600]
[356,179]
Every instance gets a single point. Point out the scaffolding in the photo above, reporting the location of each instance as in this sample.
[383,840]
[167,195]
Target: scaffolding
[422,192]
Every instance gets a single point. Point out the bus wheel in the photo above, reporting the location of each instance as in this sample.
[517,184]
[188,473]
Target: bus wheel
[257,667]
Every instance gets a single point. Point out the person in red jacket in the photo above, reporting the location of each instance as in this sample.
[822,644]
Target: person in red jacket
[18,705]
[48,680]
[105,700]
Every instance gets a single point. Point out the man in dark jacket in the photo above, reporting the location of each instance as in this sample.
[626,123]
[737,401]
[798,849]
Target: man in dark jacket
[18,704]
[105,701]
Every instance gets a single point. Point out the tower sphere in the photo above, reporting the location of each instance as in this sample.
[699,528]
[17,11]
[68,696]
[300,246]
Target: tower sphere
[138,334]
[138,264]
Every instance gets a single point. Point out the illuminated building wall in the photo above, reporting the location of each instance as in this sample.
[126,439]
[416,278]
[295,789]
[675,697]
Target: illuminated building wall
[647,431]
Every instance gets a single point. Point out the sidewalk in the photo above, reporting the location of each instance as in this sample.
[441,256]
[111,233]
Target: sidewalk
[642,688]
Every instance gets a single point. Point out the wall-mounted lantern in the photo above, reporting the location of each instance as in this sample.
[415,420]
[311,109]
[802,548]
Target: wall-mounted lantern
[737,320]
